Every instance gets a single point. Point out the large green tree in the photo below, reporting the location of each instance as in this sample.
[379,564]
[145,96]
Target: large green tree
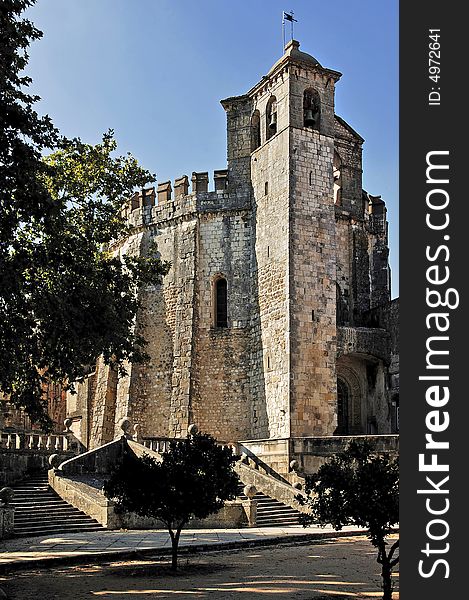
[358,487]
[65,298]
[193,480]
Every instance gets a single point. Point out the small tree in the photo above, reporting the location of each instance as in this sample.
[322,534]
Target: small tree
[193,480]
[357,487]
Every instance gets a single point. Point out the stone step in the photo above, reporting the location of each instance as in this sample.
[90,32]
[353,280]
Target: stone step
[44,510]
[32,484]
[38,495]
[271,512]
[41,487]
[64,510]
[71,520]
[278,512]
[277,516]
[33,504]
[40,511]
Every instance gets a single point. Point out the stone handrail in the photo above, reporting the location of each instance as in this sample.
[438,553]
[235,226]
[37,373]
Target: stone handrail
[253,461]
[38,442]
[270,486]
[103,460]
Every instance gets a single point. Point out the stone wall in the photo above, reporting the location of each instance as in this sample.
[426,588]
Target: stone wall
[304,258]
[309,452]
[270,358]
[387,317]
[369,406]
[312,285]
[220,394]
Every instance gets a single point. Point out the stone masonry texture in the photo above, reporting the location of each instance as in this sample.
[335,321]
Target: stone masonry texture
[309,345]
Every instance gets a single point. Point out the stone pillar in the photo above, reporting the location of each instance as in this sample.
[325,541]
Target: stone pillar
[250,508]
[221,180]
[181,186]
[135,201]
[199,182]
[7,513]
[164,192]
[149,197]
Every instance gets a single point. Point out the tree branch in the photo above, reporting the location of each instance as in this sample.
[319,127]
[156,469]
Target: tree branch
[394,547]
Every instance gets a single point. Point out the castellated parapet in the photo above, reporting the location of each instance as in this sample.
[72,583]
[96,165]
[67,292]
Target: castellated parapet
[261,328]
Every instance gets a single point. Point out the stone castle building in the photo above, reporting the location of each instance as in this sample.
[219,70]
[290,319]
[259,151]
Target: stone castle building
[275,319]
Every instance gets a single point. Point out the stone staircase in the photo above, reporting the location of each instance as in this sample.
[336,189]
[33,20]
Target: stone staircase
[271,512]
[40,511]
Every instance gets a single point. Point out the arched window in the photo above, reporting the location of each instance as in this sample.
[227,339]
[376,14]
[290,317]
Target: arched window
[337,169]
[255,130]
[311,109]
[271,117]
[221,302]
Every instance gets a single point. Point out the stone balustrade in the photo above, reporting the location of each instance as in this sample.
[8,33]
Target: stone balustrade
[157,444]
[38,442]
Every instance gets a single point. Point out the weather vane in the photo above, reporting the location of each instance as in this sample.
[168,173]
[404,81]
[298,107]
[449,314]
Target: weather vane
[287,17]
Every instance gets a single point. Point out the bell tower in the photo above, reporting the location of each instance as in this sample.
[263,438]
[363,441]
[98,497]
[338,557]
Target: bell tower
[280,152]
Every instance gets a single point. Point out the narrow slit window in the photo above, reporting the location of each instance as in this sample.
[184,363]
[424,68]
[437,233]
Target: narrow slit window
[221,303]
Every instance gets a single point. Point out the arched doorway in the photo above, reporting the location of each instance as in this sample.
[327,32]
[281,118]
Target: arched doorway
[351,401]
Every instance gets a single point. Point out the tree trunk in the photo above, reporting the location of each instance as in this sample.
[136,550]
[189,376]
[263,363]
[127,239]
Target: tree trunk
[387,581]
[386,569]
[174,546]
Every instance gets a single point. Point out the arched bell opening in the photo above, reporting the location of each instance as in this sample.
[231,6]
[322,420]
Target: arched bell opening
[255,130]
[311,109]
[271,117]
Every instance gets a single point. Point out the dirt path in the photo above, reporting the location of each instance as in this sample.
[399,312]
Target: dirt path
[342,568]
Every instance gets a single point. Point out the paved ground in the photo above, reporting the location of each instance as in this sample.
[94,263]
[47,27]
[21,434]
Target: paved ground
[86,547]
[318,569]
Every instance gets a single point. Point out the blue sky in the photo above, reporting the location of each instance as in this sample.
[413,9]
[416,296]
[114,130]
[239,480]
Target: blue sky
[155,71]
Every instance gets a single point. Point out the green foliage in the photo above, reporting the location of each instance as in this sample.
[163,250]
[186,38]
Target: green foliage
[193,480]
[358,487]
[65,298]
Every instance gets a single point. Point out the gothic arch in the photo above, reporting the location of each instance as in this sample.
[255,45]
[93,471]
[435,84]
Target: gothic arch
[349,402]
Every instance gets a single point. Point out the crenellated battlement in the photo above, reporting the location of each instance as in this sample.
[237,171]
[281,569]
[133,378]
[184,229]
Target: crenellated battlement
[174,200]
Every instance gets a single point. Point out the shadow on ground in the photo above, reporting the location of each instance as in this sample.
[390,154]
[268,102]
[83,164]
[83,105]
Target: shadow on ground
[343,568]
